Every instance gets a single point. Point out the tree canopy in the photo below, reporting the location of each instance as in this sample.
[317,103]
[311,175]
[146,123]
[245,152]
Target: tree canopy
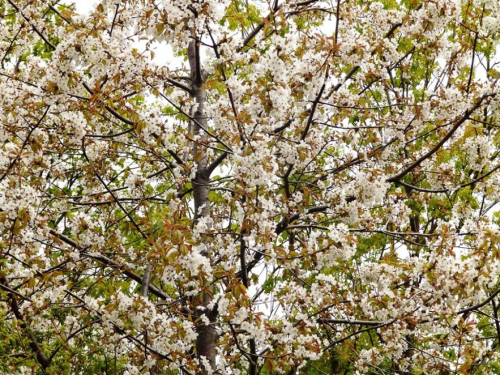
[296,187]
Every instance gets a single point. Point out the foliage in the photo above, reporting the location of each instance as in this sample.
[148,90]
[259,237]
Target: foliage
[297,187]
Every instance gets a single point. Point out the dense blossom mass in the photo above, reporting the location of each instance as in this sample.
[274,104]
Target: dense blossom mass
[293,187]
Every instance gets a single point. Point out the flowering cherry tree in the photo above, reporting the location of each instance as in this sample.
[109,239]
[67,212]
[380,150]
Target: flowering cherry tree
[293,187]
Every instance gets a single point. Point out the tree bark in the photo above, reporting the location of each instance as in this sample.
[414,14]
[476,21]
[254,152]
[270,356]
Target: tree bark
[205,344]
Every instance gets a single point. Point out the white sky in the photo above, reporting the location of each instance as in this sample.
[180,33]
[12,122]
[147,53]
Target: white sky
[83,6]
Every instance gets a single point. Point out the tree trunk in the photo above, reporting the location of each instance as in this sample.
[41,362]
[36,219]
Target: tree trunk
[205,344]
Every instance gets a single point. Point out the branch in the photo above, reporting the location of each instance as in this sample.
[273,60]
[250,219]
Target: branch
[103,203]
[280,228]
[110,135]
[132,123]
[352,322]
[176,157]
[229,150]
[56,350]
[337,21]
[11,165]
[357,333]
[495,316]
[7,289]
[433,150]
[485,302]
[115,198]
[209,169]
[472,61]
[346,78]
[110,263]
[127,336]
[32,26]
[111,110]
[179,85]
[9,48]
[313,110]
[254,32]
[114,20]
[356,68]
[120,117]
[40,356]
[283,127]
[287,181]
[59,14]
[266,19]
[423,190]
[283,224]
[238,346]
[229,92]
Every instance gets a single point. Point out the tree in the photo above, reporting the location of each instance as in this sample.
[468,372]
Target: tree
[299,187]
